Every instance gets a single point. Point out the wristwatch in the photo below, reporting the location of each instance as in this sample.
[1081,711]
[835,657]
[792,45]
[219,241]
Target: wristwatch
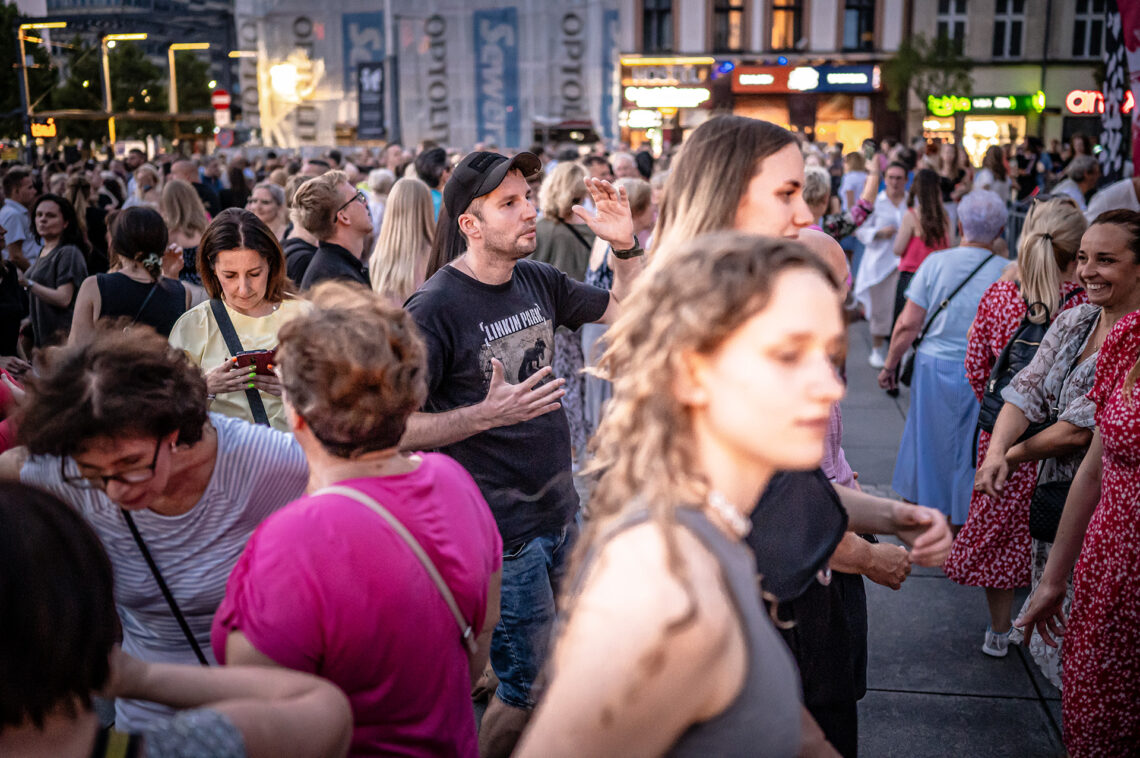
[632,252]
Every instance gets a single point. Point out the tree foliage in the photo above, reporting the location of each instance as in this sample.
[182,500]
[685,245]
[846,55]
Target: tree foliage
[41,77]
[926,67]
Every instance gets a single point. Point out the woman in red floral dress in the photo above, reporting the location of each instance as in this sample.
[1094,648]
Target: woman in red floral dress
[1101,700]
[993,548]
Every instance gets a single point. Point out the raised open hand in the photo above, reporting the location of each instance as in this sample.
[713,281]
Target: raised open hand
[612,220]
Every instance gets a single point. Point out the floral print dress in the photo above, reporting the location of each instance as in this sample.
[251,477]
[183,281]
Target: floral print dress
[1044,384]
[994,547]
[1101,699]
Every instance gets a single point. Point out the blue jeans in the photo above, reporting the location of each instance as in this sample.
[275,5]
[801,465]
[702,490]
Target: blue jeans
[531,575]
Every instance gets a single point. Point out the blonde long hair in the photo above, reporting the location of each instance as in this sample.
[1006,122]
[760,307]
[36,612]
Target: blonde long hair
[405,235]
[1049,242]
[562,188]
[182,209]
[643,449]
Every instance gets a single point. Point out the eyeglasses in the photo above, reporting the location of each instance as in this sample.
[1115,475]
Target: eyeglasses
[358,197]
[136,475]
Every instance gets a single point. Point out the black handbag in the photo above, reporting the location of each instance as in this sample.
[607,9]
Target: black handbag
[1048,501]
[906,366]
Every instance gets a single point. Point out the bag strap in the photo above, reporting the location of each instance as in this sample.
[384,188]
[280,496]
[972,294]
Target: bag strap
[146,301]
[946,301]
[465,629]
[577,234]
[166,594]
[233,344]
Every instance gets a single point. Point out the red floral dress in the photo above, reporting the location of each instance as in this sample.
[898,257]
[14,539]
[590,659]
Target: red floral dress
[993,548]
[1101,696]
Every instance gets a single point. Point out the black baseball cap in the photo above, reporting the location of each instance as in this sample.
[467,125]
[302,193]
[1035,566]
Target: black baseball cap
[481,172]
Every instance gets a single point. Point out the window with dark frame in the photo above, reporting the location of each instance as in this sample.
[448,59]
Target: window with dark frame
[859,25]
[787,23]
[728,26]
[1088,28]
[1009,28]
[657,26]
[952,22]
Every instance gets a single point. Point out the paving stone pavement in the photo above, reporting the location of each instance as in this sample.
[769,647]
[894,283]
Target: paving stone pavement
[931,691]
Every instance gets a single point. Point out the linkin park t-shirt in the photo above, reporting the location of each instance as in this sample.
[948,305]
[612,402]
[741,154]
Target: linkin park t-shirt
[523,470]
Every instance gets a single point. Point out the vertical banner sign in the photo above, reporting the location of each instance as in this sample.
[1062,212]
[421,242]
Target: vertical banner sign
[497,76]
[1129,14]
[608,116]
[370,96]
[1115,81]
[363,43]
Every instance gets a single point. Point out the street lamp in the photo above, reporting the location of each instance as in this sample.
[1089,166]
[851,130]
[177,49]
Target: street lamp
[105,42]
[173,77]
[24,96]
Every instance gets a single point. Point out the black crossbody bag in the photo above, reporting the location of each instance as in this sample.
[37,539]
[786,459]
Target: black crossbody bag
[1048,501]
[233,344]
[906,367]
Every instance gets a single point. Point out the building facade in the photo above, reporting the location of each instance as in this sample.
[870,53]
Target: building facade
[812,66]
[1035,70]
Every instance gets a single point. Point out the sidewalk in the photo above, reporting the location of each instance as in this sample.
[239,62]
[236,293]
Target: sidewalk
[931,691]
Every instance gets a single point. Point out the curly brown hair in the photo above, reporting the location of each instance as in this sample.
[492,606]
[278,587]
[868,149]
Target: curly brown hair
[354,368]
[120,383]
[237,229]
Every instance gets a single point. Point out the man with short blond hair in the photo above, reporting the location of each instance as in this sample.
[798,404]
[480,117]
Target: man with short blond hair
[336,213]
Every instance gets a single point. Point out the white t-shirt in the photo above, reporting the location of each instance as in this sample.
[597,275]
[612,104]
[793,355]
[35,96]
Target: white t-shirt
[1115,196]
[854,181]
[258,471]
[1069,188]
[18,228]
[986,180]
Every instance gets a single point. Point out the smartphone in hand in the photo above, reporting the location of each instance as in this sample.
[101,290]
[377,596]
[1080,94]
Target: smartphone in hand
[262,360]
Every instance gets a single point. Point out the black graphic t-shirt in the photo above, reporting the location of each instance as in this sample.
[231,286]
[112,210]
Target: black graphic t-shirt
[523,470]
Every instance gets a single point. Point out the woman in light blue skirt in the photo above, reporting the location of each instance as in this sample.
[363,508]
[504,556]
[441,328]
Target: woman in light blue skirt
[935,464]
[936,453]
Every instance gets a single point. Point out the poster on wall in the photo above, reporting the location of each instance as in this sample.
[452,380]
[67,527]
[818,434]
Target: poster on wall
[370,99]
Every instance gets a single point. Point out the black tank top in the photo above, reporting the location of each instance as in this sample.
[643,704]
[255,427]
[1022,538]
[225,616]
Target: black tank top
[123,296]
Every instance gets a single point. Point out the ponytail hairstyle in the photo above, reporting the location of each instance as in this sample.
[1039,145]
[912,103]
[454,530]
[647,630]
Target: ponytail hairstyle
[926,192]
[139,234]
[1049,242]
[78,193]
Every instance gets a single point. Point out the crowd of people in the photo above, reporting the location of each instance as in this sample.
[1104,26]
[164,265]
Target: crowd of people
[295,447]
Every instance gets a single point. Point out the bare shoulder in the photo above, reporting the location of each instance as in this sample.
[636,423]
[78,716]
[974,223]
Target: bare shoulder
[12,462]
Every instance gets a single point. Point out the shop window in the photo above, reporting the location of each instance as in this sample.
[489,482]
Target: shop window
[1009,28]
[1088,29]
[787,23]
[859,25]
[952,22]
[657,26]
[728,26]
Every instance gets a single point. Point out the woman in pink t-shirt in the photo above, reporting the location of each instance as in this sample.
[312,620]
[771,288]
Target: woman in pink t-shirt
[327,585]
[925,228]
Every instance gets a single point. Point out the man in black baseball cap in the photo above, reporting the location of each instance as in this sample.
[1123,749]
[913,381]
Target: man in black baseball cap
[487,319]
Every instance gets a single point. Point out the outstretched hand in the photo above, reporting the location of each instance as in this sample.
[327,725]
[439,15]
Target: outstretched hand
[925,531]
[612,220]
[508,403]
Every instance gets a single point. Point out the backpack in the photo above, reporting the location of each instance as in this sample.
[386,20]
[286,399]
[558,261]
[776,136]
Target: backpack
[1015,356]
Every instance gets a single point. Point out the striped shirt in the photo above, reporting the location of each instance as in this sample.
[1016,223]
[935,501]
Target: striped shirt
[258,470]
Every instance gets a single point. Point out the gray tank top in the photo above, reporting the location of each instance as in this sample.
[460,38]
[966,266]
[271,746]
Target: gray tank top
[764,719]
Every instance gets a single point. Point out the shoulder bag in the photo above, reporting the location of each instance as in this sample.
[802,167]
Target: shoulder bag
[906,366]
[467,633]
[164,589]
[233,344]
[1048,501]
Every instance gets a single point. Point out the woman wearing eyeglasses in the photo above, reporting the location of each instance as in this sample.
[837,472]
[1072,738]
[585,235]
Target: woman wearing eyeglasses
[117,427]
[243,270]
[337,214]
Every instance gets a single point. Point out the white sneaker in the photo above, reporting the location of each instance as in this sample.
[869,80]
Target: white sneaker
[996,645]
[878,357]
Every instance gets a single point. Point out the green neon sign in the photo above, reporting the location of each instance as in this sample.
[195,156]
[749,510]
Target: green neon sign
[945,106]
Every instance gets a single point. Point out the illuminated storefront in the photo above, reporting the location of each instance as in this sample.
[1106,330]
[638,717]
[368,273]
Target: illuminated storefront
[985,119]
[664,98]
[1083,110]
[827,103]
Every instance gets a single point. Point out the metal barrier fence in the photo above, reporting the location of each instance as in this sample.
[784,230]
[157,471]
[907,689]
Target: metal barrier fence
[1013,225]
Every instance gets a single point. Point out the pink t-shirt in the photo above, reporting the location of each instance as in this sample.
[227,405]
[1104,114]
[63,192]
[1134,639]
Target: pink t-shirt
[327,587]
